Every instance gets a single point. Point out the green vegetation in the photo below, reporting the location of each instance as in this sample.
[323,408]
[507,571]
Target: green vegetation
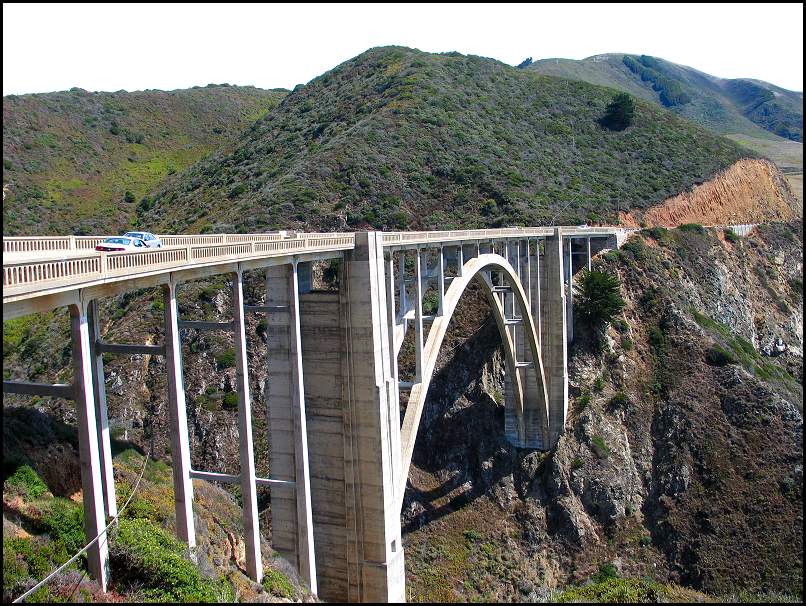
[757,112]
[145,555]
[277,584]
[619,400]
[597,297]
[616,590]
[440,141]
[733,349]
[599,447]
[25,481]
[619,113]
[225,359]
[731,236]
[58,177]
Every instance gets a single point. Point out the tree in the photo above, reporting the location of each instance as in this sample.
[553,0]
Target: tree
[525,63]
[619,112]
[597,297]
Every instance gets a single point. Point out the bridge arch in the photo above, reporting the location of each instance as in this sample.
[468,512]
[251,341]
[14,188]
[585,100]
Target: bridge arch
[475,270]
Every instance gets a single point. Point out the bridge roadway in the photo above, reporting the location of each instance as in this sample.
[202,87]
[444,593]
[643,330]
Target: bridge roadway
[339,458]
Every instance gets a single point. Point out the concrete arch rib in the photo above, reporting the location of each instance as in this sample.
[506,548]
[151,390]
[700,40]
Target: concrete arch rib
[473,270]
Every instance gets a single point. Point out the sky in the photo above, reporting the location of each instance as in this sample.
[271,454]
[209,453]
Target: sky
[157,46]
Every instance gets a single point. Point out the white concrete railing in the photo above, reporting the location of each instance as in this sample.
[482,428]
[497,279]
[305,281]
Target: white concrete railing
[32,273]
[18,244]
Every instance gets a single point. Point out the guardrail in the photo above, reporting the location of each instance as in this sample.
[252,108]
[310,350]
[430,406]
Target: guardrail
[18,275]
[18,244]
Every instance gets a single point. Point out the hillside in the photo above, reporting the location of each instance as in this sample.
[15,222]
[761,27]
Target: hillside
[398,138]
[738,106]
[758,115]
[77,162]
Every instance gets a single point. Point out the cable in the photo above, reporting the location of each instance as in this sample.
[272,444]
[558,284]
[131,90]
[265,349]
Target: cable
[88,545]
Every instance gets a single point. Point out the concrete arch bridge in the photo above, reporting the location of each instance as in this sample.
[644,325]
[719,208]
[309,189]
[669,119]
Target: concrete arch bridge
[339,449]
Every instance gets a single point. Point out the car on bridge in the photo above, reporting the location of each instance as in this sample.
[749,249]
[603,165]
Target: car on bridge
[121,243]
[150,239]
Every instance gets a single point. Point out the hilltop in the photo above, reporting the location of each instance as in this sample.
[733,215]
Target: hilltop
[397,138]
[740,106]
[766,118]
[76,161]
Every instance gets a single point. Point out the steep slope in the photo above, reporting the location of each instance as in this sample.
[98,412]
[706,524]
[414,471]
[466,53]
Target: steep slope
[682,456]
[729,106]
[76,162]
[400,138]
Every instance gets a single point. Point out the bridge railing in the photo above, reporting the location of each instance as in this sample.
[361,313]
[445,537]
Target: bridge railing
[411,237]
[17,275]
[23,244]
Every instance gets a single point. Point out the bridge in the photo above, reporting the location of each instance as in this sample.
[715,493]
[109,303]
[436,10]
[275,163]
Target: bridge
[339,452]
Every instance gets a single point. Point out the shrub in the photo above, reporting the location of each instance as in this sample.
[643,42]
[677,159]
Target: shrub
[583,401]
[598,297]
[717,356]
[606,571]
[230,401]
[128,197]
[693,228]
[599,447]
[144,554]
[731,236]
[626,343]
[615,590]
[472,535]
[225,359]
[26,481]
[64,522]
[619,400]
[619,113]
[577,463]
[598,385]
[277,584]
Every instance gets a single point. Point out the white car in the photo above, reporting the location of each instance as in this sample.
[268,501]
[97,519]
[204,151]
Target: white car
[150,239]
[121,243]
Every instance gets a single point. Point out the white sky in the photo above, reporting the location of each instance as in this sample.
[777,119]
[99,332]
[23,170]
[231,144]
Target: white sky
[134,47]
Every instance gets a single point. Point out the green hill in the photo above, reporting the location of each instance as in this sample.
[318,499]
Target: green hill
[740,106]
[398,138]
[69,158]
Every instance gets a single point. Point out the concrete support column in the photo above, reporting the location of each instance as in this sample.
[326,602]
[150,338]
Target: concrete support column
[460,259]
[418,317]
[372,430]
[101,413]
[177,410]
[590,257]
[554,342]
[254,563]
[88,448]
[440,279]
[569,299]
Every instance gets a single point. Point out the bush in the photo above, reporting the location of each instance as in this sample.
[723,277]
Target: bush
[717,356]
[598,299]
[128,197]
[619,400]
[146,555]
[583,401]
[626,343]
[731,236]
[599,447]
[472,535]
[230,401]
[692,227]
[598,385]
[277,584]
[577,463]
[606,571]
[26,481]
[225,359]
[619,113]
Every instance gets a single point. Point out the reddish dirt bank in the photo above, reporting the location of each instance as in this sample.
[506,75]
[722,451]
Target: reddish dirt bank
[749,191]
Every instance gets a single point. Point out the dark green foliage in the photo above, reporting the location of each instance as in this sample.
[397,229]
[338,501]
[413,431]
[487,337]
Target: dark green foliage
[63,520]
[525,63]
[718,356]
[332,273]
[669,89]
[597,297]
[225,359]
[230,401]
[606,571]
[430,303]
[577,463]
[612,590]
[26,481]
[581,403]
[128,197]
[30,558]
[626,343]
[619,400]
[144,555]
[598,385]
[692,227]
[731,236]
[620,112]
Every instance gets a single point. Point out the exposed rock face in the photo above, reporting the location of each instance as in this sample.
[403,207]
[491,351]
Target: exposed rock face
[693,476]
[749,191]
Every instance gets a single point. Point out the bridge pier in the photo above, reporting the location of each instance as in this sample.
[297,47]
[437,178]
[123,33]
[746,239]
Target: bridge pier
[88,446]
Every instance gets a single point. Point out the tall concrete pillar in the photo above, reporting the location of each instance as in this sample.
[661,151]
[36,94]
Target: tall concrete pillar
[177,411]
[376,570]
[554,339]
[254,563]
[101,413]
[88,448]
